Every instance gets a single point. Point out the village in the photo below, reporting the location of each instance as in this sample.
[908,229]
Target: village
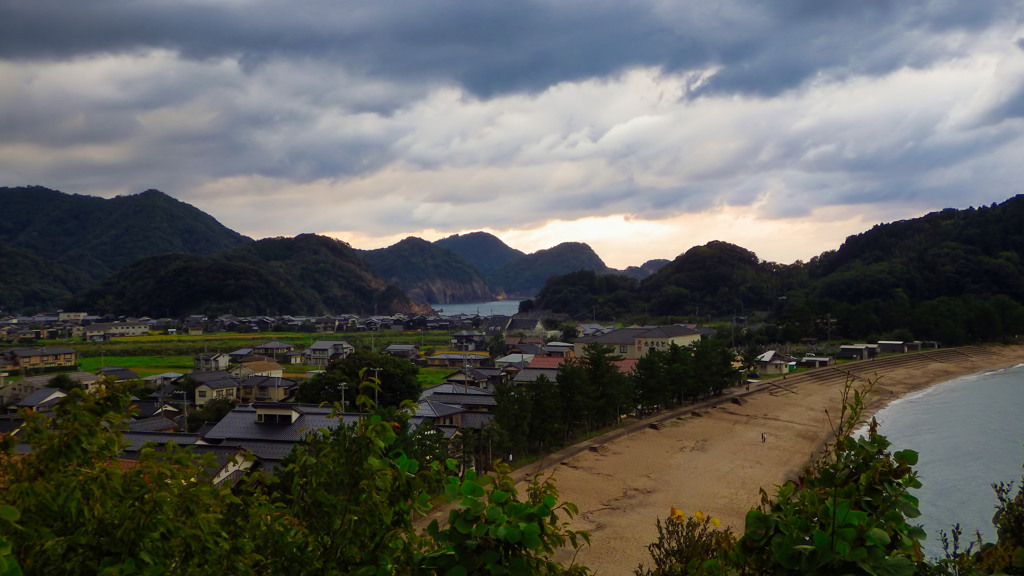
[258,383]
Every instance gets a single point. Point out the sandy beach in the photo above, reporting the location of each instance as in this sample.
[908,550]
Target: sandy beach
[712,457]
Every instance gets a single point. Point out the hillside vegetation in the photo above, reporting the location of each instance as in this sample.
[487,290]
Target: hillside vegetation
[956,276]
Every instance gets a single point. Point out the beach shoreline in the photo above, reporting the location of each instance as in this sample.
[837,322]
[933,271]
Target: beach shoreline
[717,457]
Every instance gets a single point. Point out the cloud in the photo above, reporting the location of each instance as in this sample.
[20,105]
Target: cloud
[380,120]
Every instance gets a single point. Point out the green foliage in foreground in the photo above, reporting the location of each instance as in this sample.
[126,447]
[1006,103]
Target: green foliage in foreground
[850,513]
[345,504]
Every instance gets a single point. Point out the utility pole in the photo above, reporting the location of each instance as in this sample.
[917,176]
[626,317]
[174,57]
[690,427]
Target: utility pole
[376,390]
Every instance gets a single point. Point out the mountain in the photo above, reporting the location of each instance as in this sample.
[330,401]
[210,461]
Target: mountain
[646,269]
[429,272]
[524,277]
[485,251]
[977,251]
[954,276]
[305,275]
[717,277]
[77,240]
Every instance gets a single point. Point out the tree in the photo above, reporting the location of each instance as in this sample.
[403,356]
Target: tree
[64,382]
[214,410]
[397,379]
[343,504]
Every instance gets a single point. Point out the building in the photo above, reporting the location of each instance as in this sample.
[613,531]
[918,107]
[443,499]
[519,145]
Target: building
[323,352]
[32,358]
[208,361]
[636,342]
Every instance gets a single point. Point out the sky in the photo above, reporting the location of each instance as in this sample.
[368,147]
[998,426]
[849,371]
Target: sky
[641,127]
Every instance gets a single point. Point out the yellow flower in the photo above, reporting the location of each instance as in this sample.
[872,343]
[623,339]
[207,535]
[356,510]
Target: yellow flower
[715,522]
[699,516]
[677,514]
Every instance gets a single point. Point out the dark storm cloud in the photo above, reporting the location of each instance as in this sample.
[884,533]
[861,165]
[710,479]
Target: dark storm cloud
[491,48]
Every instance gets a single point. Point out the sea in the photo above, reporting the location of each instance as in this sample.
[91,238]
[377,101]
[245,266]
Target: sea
[969,434]
[495,308]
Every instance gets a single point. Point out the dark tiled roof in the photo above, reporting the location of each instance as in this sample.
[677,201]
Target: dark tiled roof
[208,375]
[523,324]
[41,398]
[240,424]
[136,440]
[450,388]
[274,345]
[268,382]
[429,409]
[463,399]
[117,372]
[531,375]
[152,424]
[477,419]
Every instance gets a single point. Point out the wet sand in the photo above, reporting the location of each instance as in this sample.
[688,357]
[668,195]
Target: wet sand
[716,461]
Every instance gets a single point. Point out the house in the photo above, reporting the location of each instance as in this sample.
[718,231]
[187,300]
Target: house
[455,360]
[212,384]
[237,355]
[41,400]
[466,397]
[156,423]
[294,358]
[31,358]
[161,380]
[529,326]
[635,342]
[467,341]
[560,350]
[857,351]
[230,461]
[547,362]
[274,349]
[510,359]
[117,373]
[812,361]
[323,352]
[257,368]
[485,378]
[892,347]
[106,331]
[26,386]
[406,351]
[532,375]
[773,362]
[265,389]
[207,361]
[270,430]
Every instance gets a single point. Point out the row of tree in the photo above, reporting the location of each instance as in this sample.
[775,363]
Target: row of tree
[591,393]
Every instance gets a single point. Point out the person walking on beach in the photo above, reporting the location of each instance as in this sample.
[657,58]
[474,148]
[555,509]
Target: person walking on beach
[763,438]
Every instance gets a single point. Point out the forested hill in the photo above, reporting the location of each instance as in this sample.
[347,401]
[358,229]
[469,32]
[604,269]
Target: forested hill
[955,276]
[308,274]
[976,251]
[98,236]
[485,251]
[524,277]
[62,243]
[428,272]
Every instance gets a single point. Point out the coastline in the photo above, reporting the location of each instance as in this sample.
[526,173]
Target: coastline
[711,457]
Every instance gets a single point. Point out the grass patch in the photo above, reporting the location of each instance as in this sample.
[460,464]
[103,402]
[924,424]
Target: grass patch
[141,365]
[182,344]
[433,376]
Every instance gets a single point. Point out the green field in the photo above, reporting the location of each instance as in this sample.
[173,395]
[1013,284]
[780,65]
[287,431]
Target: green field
[141,365]
[182,345]
[156,354]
